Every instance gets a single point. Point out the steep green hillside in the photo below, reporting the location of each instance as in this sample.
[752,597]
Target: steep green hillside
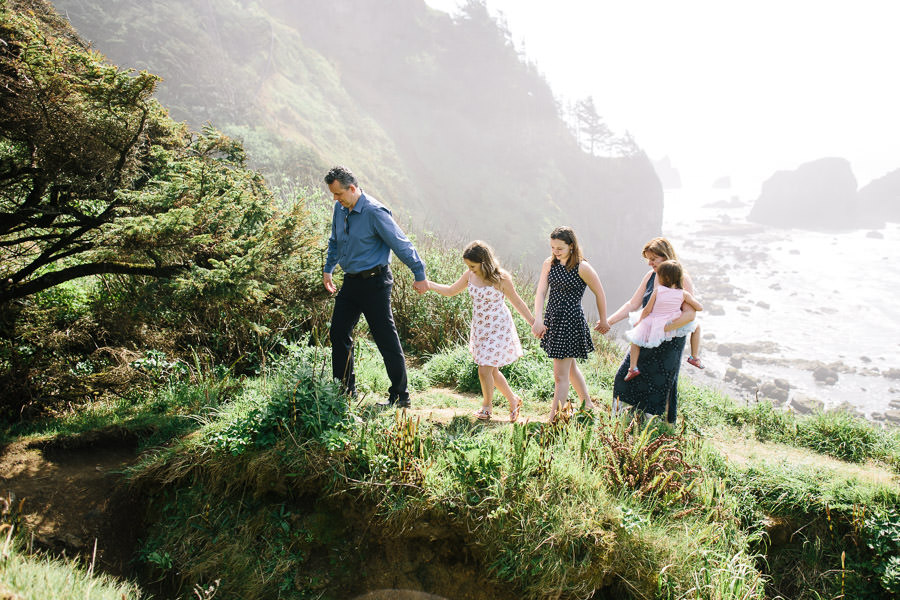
[439,116]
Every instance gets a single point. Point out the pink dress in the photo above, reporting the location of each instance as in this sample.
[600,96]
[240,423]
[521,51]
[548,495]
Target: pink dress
[493,340]
[650,332]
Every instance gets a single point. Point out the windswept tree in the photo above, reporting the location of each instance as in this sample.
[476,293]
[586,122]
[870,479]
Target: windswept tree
[96,180]
[593,133]
[75,136]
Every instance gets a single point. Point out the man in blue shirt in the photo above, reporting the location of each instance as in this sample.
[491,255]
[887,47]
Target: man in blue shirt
[363,234]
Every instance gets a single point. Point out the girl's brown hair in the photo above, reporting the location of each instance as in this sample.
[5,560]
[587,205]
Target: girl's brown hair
[567,235]
[481,253]
[670,274]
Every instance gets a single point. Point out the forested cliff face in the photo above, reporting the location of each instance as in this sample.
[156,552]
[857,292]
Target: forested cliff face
[439,116]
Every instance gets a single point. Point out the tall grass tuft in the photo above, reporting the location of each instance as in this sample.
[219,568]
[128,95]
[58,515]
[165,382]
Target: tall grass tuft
[842,435]
[36,575]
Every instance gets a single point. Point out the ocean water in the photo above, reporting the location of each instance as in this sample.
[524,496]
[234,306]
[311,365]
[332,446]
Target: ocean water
[788,301]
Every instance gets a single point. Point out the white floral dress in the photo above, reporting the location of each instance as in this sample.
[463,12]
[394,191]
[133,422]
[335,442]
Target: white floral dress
[493,340]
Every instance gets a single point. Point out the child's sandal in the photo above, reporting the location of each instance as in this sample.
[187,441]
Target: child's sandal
[632,373]
[514,413]
[482,414]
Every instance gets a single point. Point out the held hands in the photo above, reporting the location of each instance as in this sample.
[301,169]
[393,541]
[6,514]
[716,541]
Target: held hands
[602,326]
[538,329]
[421,286]
[329,284]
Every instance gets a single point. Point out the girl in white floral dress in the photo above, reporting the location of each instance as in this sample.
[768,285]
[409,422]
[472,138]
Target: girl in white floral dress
[493,340]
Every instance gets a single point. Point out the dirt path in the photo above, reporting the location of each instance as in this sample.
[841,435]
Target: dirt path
[747,451]
[741,451]
[71,500]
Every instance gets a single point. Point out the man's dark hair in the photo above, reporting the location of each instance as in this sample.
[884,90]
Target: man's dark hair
[342,175]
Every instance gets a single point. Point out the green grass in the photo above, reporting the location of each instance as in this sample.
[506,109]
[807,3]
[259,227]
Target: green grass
[833,433]
[536,501]
[151,418]
[531,376]
[639,512]
[35,575]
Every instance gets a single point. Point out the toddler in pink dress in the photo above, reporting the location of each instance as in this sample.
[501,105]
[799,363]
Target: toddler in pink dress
[493,340]
[663,307]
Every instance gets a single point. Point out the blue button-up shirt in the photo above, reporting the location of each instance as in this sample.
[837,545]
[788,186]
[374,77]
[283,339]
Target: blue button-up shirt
[363,238]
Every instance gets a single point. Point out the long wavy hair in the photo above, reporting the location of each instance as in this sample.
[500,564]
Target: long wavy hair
[660,246]
[567,234]
[481,253]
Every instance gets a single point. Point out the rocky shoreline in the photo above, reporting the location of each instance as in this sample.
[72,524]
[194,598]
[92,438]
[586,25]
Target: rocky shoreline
[720,251]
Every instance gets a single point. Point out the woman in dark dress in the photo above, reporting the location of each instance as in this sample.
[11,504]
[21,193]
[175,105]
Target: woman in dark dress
[657,393]
[562,328]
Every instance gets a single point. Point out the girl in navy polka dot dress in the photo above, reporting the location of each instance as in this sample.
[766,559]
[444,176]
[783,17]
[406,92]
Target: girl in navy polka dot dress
[563,330]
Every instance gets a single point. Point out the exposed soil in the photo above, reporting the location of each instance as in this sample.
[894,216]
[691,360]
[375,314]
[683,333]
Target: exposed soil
[426,558]
[72,499]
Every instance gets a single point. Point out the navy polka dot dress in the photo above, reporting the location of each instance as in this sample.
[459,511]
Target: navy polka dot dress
[567,333]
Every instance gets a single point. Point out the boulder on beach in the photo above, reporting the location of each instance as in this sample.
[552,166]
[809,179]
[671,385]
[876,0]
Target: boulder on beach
[742,380]
[777,390]
[881,197]
[805,405]
[825,375]
[849,409]
[819,195]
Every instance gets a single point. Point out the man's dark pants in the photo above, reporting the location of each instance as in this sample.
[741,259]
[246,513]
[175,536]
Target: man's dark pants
[370,297]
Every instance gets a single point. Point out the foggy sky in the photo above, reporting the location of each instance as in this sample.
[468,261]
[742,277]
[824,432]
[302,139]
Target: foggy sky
[726,88]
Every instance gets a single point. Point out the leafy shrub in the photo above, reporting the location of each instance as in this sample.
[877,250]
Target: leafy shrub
[881,534]
[302,404]
[430,323]
[454,368]
[532,374]
[648,463]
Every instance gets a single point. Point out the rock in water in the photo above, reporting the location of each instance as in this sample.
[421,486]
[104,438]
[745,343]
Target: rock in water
[825,375]
[806,405]
[819,195]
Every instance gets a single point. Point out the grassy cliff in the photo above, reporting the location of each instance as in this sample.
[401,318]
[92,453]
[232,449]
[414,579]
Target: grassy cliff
[276,486]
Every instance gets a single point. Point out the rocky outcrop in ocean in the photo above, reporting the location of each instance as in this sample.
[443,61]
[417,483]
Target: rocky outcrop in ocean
[881,197]
[820,195]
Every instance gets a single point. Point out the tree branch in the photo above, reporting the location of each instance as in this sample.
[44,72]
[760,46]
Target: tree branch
[11,292]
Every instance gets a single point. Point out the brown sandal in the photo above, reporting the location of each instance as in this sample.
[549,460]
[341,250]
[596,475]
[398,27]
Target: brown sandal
[514,412]
[482,415]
